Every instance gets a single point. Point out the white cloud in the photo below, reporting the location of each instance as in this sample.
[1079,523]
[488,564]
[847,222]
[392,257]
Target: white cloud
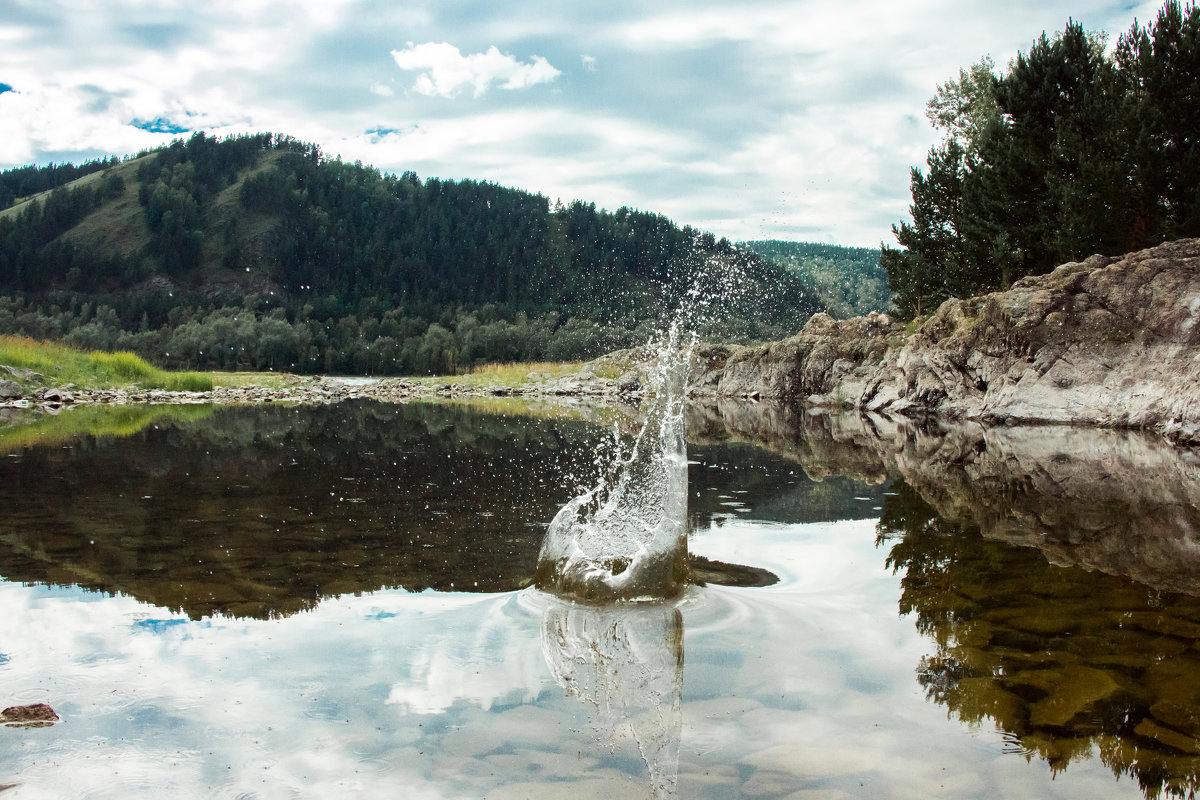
[445,71]
[774,119]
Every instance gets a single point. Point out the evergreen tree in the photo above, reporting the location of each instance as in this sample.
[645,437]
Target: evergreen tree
[1069,153]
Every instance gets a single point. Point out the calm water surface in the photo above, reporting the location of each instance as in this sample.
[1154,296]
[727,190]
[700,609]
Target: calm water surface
[335,601]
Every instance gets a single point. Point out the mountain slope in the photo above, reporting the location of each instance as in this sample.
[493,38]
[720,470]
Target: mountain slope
[328,257]
[848,281]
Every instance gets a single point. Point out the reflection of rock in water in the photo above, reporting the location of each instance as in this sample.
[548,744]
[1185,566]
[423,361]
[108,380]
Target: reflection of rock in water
[627,662]
[1074,643]
[1113,501]
[1071,663]
[626,538]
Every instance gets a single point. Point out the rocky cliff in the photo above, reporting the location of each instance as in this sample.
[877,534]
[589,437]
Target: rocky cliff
[1110,342]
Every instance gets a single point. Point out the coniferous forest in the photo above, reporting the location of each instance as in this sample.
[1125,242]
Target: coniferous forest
[1078,148]
[848,281]
[259,252]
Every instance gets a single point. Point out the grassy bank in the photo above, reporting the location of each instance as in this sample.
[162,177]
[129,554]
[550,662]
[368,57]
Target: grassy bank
[61,364]
[506,374]
[263,380]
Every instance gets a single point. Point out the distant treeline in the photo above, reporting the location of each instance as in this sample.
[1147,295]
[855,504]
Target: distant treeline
[848,281]
[25,181]
[256,336]
[258,251]
[1077,149]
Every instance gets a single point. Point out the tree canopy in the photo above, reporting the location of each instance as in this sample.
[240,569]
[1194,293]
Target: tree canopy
[1076,149]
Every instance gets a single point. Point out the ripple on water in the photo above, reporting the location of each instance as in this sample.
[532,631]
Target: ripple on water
[30,695]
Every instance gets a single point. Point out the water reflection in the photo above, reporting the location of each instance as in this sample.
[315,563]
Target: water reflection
[625,662]
[264,511]
[1072,663]
[1056,571]
[1049,578]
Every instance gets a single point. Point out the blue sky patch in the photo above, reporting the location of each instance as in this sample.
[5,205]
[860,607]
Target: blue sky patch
[159,125]
[381,615]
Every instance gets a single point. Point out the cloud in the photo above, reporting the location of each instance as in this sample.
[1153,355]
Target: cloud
[445,71]
[766,120]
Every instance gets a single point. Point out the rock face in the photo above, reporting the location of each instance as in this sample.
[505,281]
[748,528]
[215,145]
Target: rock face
[1106,342]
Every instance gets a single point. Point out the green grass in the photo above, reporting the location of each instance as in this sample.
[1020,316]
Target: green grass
[506,374]
[62,364]
[265,380]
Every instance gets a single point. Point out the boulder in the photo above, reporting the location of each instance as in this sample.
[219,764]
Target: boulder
[38,715]
[1106,342]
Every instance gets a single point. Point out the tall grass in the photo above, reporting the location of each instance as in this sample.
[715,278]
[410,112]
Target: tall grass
[505,374]
[519,371]
[61,364]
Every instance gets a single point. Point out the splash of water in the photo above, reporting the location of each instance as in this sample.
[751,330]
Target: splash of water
[625,539]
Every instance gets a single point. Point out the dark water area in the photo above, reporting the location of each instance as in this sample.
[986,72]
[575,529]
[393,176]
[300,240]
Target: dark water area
[263,511]
[336,600]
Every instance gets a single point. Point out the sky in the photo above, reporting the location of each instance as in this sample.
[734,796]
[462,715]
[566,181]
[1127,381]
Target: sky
[761,119]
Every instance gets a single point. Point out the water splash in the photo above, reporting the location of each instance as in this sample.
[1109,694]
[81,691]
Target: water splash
[625,539]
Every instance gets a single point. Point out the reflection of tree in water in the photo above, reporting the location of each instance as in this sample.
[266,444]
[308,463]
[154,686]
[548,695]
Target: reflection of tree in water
[1072,664]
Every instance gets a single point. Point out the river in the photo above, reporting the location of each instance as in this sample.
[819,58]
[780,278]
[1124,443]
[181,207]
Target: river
[296,601]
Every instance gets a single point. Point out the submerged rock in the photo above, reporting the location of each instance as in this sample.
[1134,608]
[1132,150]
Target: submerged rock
[38,715]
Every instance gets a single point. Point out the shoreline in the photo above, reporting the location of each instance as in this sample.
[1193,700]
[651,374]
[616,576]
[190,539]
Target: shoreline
[1109,343]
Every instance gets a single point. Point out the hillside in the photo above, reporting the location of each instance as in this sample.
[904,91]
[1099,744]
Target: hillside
[260,252]
[848,281]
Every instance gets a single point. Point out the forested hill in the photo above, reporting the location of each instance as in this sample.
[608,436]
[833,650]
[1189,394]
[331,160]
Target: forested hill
[848,281]
[260,252]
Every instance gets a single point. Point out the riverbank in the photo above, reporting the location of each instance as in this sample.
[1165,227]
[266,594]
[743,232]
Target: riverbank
[288,388]
[1108,343]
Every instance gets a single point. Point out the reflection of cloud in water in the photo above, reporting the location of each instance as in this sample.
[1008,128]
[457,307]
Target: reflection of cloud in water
[483,659]
[627,662]
[803,686]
